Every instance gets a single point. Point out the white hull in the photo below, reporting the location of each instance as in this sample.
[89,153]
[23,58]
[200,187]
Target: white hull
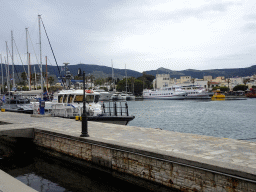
[168,93]
[206,96]
[166,97]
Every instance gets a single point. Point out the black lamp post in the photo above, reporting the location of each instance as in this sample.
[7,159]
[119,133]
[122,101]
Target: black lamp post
[84,116]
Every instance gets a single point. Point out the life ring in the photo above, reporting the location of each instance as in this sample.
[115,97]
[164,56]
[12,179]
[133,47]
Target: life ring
[88,91]
[38,111]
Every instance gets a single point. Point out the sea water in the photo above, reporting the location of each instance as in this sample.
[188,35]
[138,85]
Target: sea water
[234,119]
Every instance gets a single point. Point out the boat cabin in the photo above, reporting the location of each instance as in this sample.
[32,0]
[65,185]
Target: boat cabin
[76,96]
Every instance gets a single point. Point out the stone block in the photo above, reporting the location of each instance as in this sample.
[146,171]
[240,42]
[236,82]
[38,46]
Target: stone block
[251,187]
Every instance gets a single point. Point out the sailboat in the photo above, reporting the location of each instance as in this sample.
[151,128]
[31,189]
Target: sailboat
[127,95]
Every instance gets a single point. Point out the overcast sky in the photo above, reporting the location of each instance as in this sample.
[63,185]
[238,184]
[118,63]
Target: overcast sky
[143,34]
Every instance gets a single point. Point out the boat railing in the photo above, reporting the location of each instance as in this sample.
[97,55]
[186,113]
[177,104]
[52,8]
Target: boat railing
[115,108]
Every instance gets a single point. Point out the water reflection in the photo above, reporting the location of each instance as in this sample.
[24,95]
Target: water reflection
[48,174]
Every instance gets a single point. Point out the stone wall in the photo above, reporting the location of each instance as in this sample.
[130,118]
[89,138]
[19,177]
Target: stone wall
[141,165]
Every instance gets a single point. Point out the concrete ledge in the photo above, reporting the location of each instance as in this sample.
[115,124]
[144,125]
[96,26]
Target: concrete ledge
[26,133]
[10,184]
[188,161]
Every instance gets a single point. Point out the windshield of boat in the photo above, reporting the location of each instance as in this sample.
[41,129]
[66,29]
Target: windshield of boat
[88,99]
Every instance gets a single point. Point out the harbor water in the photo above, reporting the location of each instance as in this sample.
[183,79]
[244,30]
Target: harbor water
[234,119]
[48,174]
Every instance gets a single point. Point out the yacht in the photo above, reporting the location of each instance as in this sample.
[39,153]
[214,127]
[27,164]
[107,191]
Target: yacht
[69,103]
[114,97]
[16,103]
[168,93]
[104,95]
[130,97]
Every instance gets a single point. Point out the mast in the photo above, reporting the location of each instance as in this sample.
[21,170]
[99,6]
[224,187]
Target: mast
[8,76]
[113,75]
[28,62]
[29,71]
[46,74]
[13,79]
[2,74]
[41,72]
[35,77]
[126,78]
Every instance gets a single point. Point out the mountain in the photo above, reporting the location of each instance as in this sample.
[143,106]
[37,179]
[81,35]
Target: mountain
[240,72]
[99,71]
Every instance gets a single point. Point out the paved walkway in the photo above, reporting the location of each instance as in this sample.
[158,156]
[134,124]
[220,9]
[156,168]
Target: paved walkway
[219,152]
[10,184]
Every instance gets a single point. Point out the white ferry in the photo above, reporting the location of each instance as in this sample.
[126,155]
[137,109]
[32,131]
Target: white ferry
[175,93]
[195,92]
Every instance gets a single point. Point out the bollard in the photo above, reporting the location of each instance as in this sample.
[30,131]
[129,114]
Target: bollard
[77,118]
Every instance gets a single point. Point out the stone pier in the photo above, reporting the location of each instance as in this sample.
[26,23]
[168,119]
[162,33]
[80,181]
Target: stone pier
[157,159]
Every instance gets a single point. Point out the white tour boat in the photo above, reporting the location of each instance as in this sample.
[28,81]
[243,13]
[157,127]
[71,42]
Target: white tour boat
[195,92]
[175,93]
[69,103]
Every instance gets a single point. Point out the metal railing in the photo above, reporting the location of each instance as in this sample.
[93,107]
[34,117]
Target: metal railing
[115,108]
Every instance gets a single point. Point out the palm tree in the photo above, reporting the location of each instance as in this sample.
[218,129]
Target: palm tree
[245,81]
[91,77]
[208,84]
[228,81]
[193,81]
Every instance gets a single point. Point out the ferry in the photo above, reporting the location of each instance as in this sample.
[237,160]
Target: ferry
[195,92]
[168,93]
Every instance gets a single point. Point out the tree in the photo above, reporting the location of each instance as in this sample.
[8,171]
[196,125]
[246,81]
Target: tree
[146,80]
[223,89]
[193,81]
[240,88]
[91,77]
[245,81]
[228,80]
[138,86]
[23,76]
[50,80]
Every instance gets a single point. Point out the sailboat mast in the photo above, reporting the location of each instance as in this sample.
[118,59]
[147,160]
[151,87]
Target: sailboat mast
[29,84]
[46,74]
[126,78]
[2,74]
[35,77]
[39,18]
[113,80]
[13,79]
[8,76]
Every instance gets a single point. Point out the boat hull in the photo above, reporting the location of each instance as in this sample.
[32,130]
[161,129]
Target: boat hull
[165,97]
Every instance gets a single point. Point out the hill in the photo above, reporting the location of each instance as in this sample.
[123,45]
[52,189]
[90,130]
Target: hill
[99,71]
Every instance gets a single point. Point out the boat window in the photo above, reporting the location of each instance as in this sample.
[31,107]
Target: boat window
[70,98]
[97,97]
[60,98]
[89,98]
[78,98]
[65,98]
[13,102]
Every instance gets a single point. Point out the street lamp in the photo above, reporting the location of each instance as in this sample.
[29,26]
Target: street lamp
[84,117]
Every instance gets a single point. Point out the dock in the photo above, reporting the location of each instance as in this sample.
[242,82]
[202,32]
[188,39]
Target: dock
[154,158]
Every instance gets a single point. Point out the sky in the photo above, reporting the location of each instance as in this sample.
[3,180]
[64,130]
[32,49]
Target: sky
[138,35]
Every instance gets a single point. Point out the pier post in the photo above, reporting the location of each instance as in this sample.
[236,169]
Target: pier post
[84,116]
